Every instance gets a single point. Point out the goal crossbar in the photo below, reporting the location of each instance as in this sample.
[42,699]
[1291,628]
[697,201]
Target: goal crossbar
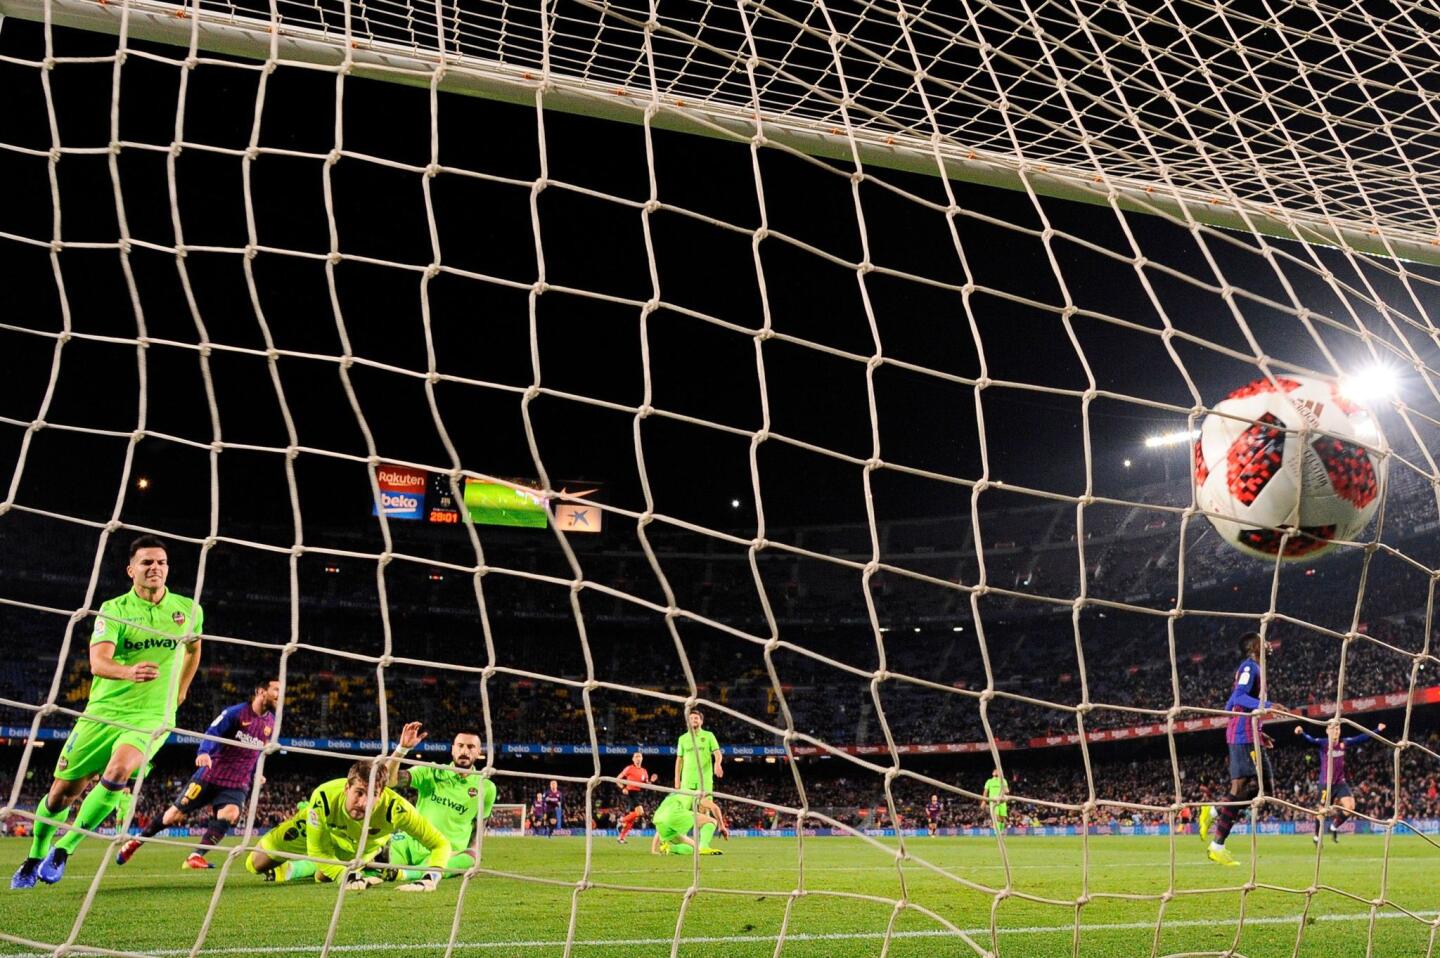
[287,37]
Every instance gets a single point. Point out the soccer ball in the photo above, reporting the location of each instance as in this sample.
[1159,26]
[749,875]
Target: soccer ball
[1293,458]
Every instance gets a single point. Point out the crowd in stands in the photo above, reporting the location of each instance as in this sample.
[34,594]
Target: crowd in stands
[1116,659]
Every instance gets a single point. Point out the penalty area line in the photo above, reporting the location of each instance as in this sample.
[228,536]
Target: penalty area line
[751,939]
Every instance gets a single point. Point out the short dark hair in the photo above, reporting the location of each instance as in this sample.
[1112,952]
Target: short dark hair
[146,542]
[694,711]
[1249,640]
[360,772]
[265,683]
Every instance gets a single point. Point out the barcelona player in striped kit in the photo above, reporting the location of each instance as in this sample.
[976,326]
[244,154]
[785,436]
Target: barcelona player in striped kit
[1247,749]
[225,770]
[1333,786]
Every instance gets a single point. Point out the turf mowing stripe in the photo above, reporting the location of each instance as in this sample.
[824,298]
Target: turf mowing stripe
[753,939]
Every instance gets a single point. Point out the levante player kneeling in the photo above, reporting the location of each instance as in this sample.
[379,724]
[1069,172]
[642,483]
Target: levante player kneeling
[677,817]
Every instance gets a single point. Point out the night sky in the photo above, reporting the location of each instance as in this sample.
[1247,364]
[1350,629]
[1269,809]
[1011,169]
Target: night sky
[585,345]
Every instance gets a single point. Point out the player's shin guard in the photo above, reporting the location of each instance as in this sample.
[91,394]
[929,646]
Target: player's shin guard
[97,807]
[707,833]
[45,831]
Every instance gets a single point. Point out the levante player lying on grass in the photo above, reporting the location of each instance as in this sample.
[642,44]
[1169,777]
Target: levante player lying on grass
[328,829]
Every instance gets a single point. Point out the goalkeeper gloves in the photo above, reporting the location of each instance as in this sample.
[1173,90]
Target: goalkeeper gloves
[358,881]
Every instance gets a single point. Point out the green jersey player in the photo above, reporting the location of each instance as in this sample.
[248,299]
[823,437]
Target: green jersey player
[328,830]
[454,800]
[142,668]
[996,791]
[697,756]
[676,817]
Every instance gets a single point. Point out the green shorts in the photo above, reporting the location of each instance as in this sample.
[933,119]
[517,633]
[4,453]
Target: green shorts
[1001,810]
[674,824]
[88,749]
[692,783]
[405,850]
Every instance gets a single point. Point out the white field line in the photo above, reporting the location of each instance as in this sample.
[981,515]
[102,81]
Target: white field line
[753,939]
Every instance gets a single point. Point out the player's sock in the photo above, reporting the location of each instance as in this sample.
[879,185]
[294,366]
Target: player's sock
[1225,820]
[680,848]
[156,826]
[214,832]
[45,831]
[97,807]
[707,833]
[296,871]
[1319,823]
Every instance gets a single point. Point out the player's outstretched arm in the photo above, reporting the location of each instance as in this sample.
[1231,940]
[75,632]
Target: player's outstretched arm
[410,736]
[319,845]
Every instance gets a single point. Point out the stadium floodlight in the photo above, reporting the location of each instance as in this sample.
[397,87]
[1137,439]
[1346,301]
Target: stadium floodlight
[1175,438]
[1376,381]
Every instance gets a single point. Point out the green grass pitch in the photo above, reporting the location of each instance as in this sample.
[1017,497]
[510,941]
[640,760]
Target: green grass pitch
[152,906]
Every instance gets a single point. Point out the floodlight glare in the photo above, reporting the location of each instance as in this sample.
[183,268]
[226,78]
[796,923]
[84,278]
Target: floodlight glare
[1371,383]
[1172,438]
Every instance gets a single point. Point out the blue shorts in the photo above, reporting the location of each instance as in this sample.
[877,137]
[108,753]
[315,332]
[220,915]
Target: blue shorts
[1329,794]
[1242,762]
[198,794]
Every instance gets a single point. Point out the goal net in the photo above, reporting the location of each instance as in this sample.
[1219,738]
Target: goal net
[543,371]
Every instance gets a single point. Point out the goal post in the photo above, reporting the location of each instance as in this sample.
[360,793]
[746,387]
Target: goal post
[508,820]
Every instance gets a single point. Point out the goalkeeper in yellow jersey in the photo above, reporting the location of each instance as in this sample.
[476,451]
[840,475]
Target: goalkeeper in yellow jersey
[329,829]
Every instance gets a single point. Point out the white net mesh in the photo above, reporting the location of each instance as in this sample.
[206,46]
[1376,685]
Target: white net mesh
[828,342]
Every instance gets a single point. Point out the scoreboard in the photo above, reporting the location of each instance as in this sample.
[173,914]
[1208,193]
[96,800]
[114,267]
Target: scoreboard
[421,496]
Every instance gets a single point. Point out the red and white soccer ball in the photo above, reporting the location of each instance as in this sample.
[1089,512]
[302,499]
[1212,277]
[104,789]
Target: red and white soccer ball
[1257,475]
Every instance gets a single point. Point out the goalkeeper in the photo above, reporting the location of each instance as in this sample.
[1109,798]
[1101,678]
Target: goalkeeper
[455,800]
[329,829]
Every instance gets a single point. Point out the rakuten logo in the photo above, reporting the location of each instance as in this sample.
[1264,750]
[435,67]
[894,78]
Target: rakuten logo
[400,480]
